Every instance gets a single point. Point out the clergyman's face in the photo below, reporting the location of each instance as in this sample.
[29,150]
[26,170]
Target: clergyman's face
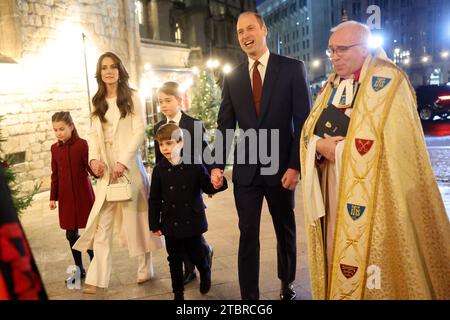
[251,36]
[350,51]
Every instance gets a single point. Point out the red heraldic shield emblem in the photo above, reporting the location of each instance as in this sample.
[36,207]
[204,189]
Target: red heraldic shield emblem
[348,271]
[363,146]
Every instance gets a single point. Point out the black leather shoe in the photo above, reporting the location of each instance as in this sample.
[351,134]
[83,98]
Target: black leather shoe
[178,296]
[188,277]
[287,291]
[205,282]
[210,256]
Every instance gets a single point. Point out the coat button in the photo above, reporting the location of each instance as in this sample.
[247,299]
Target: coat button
[173,206]
[186,205]
[188,222]
[184,187]
[170,169]
[175,224]
[171,187]
[181,168]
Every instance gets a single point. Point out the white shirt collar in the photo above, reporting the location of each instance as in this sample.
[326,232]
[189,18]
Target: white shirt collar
[263,60]
[177,118]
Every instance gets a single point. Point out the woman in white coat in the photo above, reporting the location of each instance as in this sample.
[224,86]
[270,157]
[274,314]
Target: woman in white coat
[117,132]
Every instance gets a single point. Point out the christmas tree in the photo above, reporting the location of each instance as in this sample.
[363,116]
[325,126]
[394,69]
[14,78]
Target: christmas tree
[21,201]
[205,101]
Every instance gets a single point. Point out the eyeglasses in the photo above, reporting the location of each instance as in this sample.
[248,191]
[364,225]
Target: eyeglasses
[340,50]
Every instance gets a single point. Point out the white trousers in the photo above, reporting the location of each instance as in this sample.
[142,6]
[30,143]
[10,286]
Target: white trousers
[99,272]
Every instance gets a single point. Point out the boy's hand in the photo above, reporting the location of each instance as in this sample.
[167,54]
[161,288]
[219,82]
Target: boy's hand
[157,233]
[218,185]
[52,205]
[217,178]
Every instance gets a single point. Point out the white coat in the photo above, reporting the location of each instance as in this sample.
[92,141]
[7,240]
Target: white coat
[129,135]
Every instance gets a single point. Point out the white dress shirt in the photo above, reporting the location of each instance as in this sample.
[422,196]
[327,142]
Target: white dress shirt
[175,119]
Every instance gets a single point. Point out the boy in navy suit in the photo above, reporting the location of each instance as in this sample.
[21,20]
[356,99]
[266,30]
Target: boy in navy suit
[177,210]
[169,98]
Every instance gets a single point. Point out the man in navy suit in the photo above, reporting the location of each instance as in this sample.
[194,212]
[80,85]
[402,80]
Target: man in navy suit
[267,96]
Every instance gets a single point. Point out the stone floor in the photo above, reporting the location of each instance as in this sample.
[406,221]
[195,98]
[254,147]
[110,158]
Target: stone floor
[52,255]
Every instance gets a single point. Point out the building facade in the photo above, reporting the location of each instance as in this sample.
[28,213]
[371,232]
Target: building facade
[416,34]
[300,29]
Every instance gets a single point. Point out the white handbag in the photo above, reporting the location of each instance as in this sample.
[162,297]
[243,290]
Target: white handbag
[119,191]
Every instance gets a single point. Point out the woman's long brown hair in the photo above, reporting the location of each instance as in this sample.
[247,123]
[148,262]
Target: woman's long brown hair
[124,92]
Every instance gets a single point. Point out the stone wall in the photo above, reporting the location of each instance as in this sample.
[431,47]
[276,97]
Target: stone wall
[50,74]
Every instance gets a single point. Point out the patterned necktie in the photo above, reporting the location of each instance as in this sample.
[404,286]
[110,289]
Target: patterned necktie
[257,86]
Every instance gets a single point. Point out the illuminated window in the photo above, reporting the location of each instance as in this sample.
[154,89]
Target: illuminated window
[178,33]
[140,11]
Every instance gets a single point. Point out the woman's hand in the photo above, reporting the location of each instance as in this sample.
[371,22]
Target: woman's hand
[98,167]
[118,170]
[327,146]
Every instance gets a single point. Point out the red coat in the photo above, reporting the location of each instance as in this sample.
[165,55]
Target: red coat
[71,186]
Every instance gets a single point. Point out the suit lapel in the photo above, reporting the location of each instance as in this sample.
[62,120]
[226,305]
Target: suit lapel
[270,79]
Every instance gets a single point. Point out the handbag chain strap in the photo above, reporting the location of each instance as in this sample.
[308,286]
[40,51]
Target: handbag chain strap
[124,176]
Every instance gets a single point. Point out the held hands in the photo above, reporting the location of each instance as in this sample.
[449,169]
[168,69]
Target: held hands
[52,205]
[290,179]
[217,178]
[118,170]
[327,146]
[98,167]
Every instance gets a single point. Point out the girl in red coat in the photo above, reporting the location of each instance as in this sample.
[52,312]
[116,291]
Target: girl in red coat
[70,184]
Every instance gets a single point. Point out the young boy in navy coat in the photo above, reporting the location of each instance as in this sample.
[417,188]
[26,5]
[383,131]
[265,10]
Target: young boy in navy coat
[170,100]
[177,210]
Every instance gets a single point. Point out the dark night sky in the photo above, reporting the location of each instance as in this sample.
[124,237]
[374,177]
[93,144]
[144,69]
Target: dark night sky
[258,2]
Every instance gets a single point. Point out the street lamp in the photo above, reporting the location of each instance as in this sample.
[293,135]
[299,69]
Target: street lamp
[316,63]
[195,70]
[226,69]
[212,63]
[444,54]
[406,61]
[425,59]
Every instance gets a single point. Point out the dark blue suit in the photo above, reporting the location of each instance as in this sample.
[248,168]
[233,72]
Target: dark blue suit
[285,104]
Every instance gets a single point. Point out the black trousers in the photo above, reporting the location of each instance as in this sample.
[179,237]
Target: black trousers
[176,249]
[72,236]
[189,266]
[249,200]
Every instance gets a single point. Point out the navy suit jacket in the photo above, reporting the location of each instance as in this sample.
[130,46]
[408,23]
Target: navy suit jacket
[285,105]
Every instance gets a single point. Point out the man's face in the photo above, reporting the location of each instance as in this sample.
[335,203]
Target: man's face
[251,36]
[349,51]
